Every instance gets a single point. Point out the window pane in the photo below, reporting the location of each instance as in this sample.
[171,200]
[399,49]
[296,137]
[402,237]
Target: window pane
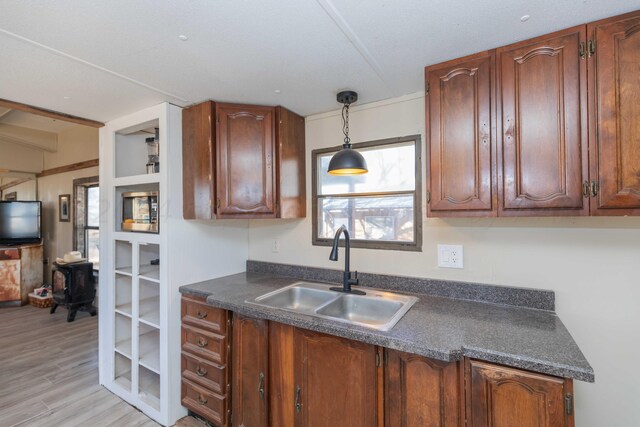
[93,247]
[391,168]
[93,206]
[387,218]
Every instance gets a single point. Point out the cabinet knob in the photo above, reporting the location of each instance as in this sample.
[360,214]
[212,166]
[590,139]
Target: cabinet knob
[202,342]
[202,400]
[201,372]
[201,315]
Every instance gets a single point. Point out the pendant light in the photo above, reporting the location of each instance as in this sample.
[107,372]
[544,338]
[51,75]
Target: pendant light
[347,161]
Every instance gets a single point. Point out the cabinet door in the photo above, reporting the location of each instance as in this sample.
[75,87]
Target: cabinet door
[507,397]
[615,115]
[460,117]
[198,165]
[250,366]
[335,381]
[245,158]
[543,156]
[421,392]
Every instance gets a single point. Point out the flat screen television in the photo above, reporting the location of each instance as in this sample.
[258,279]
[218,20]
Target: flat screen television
[20,222]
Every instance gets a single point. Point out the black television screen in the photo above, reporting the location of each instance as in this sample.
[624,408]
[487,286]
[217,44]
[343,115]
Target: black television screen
[19,222]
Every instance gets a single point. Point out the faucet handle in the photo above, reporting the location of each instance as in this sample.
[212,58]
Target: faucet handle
[355,280]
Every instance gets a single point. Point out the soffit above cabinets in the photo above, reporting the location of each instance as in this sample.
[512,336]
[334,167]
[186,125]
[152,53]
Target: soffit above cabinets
[102,60]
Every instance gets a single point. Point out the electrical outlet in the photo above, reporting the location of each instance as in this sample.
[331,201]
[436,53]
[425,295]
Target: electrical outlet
[276,246]
[450,256]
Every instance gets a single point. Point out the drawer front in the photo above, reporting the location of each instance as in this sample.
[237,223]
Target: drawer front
[202,372]
[204,344]
[211,406]
[196,312]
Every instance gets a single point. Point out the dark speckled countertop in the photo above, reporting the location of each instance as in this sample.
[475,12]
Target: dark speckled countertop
[436,327]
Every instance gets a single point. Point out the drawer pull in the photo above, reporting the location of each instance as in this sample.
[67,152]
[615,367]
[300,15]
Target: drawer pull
[202,342]
[201,400]
[261,385]
[201,315]
[297,404]
[201,372]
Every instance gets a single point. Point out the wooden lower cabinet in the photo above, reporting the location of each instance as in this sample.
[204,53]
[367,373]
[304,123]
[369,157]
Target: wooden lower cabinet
[205,373]
[335,381]
[421,392]
[249,377]
[283,376]
[498,396]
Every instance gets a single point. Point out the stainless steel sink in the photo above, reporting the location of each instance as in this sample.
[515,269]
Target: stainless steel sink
[299,297]
[377,309]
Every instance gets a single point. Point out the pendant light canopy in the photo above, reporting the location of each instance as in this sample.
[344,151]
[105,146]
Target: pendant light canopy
[347,161]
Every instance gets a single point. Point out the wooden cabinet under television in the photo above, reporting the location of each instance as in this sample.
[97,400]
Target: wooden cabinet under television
[243,161]
[567,137]
[499,397]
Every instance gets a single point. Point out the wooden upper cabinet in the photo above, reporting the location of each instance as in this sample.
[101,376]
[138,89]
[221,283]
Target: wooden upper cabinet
[506,397]
[245,152]
[250,368]
[198,160]
[243,161]
[614,90]
[543,138]
[460,119]
[421,392]
[335,381]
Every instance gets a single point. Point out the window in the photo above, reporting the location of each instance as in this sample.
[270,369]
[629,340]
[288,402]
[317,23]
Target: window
[86,237]
[381,209]
[92,224]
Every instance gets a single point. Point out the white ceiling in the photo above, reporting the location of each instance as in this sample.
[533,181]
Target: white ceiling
[104,59]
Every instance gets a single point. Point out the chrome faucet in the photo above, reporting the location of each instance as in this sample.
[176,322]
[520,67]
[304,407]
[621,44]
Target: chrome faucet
[347,281]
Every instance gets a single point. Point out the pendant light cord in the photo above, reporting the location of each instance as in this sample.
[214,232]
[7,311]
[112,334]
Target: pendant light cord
[345,125]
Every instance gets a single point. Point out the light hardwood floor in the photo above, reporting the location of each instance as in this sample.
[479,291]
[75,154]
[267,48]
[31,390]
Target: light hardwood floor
[49,374]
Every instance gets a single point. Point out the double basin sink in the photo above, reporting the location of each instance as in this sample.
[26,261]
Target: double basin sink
[377,309]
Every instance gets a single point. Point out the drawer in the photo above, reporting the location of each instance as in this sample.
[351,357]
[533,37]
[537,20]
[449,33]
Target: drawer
[205,373]
[196,312]
[204,344]
[211,406]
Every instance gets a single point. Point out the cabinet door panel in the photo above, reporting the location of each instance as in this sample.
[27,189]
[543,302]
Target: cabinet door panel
[336,381]
[246,152]
[250,397]
[506,397]
[543,137]
[615,115]
[460,114]
[421,392]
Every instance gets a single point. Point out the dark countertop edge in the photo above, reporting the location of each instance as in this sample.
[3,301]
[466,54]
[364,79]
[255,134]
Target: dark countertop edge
[377,338]
[535,299]
[549,368]
[329,327]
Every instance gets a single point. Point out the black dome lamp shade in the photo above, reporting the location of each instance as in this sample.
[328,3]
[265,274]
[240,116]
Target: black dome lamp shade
[347,161]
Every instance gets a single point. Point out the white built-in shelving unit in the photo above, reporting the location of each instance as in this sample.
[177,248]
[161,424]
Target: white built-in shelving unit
[140,302]
[136,329]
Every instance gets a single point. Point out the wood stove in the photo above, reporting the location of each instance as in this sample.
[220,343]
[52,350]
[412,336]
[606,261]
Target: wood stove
[73,288]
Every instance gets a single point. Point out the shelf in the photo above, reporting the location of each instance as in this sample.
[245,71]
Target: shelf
[130,236]
[122,310]
[149,350]
[149,387]
[122,371]
[124,348]
[149,311]
[151,178]
[150,272]
[125,271]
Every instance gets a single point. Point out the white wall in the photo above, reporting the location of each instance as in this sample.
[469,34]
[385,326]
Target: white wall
[24,191]
[592,264]
[20,158]
[75,145]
